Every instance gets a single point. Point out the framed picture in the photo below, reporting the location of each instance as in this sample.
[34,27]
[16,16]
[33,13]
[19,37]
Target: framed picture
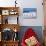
[12,12]
[12,20]
[5,12]
[6,34]
[29,13]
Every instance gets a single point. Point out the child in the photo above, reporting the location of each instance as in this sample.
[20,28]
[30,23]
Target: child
[30,39]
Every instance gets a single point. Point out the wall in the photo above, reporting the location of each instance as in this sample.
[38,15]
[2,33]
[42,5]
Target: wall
[7,3]
[32,4]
